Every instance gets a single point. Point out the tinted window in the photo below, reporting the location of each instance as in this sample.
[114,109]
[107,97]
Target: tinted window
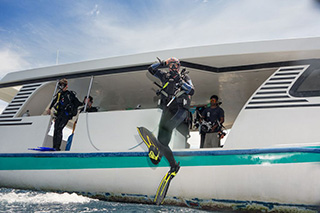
[308,84]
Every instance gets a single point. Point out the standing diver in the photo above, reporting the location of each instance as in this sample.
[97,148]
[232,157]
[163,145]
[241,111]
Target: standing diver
[65,104]
[176,92]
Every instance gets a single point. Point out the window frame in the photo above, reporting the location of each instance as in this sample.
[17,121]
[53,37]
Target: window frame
[296,85]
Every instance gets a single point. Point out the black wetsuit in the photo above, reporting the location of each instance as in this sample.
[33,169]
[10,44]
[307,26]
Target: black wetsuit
[65,102]
[175,106]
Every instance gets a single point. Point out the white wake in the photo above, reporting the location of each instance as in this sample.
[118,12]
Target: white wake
[48,197]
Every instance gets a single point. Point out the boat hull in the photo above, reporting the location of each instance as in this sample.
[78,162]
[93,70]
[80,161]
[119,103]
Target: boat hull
[278,176]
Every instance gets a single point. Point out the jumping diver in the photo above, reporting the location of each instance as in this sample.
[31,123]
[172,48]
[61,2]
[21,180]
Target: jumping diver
[175,103]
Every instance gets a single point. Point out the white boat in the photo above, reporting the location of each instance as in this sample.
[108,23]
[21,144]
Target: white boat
[270,160]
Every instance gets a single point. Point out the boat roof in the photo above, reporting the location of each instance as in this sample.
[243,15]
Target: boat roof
[231,71]
[212,58]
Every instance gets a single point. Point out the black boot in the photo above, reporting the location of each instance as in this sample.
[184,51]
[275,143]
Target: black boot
[175,168]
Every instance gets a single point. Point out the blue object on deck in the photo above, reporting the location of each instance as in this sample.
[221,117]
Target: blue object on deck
[43,149]
[69,142]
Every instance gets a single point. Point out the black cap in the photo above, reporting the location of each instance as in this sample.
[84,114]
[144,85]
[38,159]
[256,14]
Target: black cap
[215,97]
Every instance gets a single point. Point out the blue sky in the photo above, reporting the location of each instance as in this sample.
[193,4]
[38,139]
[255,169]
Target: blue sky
[32,31]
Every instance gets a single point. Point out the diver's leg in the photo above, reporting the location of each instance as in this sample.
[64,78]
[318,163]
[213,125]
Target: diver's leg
[202,138]
[167,124]
[164,137]
[56,133]
[59,124]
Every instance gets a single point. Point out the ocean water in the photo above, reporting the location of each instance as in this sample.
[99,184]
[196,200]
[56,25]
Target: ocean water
[14,200]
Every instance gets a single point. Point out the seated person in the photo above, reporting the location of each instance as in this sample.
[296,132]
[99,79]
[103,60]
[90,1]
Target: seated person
[89,102]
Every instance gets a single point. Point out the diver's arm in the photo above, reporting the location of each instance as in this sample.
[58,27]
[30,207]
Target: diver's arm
[153,68]
[221,120]
[221,116]
[188,86]
[51,105]
[54,100]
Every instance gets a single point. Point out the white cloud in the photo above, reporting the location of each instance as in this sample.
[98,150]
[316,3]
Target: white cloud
[11,61]
[181,25]
[112,28]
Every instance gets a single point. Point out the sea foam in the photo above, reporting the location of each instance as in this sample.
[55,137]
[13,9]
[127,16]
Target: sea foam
[37,198]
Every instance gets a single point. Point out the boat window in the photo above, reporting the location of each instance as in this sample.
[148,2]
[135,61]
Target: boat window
[308,84]
[123,91]
[79,86]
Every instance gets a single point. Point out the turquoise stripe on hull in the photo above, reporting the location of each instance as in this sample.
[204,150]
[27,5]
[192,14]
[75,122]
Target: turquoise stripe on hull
[51,161]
